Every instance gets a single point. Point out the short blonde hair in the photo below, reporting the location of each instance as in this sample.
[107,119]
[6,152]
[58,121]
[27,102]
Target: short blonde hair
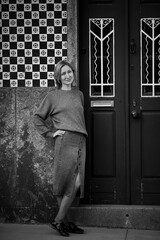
[57,71]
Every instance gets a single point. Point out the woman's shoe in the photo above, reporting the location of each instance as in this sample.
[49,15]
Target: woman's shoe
[60,227]
[72,228]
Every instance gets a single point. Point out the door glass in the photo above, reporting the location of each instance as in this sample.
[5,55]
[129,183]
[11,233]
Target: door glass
[101,57]
[150,57]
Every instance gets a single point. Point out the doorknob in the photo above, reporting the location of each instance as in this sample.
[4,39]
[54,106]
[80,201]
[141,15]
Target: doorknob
[134,114]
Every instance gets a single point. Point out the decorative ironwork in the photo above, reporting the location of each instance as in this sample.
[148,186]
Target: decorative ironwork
[150,57]
[101,57]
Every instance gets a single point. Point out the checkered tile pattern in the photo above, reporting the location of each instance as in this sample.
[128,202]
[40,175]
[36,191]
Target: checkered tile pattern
[33,38]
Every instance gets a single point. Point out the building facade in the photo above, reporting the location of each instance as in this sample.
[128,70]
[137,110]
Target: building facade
[114,47]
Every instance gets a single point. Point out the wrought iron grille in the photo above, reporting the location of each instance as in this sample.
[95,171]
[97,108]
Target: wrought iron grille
[101,57]
[150,57]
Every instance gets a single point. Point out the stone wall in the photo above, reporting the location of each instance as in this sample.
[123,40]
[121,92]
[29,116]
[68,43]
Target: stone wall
[26,159]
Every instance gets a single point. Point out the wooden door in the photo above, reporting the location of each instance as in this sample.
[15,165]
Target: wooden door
[102,79]
[122,101]
[145,101]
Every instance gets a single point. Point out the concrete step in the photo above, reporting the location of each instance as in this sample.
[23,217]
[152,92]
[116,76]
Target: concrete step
[117,216]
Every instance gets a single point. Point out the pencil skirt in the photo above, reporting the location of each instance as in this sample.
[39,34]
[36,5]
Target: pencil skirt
[69,160]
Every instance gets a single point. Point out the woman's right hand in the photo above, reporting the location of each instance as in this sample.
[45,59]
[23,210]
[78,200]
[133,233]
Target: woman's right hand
[58,133]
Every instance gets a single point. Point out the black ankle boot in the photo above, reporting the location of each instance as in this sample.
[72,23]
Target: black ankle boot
[60,228]
[72,228]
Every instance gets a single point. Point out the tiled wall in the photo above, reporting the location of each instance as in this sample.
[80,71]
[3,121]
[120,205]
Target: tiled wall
[33,38]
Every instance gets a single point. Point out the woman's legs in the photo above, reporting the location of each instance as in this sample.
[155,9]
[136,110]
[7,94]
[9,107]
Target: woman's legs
[65,202]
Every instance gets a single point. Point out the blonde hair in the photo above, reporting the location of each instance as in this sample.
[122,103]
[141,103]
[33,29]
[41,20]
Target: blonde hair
[57,72]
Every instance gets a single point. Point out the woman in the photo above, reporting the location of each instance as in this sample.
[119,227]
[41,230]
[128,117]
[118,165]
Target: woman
[65,107]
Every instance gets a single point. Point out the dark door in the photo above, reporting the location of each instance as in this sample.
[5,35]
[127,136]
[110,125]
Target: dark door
[145,101]
[121,100]
[102,79]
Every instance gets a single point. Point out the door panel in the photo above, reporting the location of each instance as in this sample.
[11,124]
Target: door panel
[103,161]
[150,145]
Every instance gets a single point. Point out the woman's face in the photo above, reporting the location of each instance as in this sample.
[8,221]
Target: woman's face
[67,76]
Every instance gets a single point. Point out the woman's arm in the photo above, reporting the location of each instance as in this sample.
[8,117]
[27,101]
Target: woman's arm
[41,115]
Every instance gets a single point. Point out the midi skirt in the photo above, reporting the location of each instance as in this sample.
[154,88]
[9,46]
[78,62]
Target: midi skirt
[69,160]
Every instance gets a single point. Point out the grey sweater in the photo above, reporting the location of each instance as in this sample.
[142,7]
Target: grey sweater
[65,109]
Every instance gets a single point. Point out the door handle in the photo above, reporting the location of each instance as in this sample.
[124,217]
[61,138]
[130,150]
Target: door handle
[135,114]
[132,46]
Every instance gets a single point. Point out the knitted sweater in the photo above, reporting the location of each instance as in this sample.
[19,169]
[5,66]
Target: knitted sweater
[65,109]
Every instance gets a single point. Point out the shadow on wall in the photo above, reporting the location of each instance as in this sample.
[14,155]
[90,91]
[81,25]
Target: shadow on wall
[26,159]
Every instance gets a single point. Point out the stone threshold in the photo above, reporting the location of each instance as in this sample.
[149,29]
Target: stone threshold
[117,216]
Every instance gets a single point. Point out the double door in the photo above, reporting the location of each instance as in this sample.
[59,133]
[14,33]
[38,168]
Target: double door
[119,74]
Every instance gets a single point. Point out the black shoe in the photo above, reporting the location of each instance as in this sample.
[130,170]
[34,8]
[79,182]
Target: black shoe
[61,229]
[72,228]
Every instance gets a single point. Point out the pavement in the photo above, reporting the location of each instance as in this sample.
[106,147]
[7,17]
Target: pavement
[45,232]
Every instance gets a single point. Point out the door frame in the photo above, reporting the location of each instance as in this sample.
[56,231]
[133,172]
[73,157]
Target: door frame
[127,107]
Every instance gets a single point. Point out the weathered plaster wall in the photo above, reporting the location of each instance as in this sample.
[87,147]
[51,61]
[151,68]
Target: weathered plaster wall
[26,158]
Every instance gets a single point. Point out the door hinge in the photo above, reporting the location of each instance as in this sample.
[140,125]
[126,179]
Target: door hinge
[132,46]
[115,193]
[142,190]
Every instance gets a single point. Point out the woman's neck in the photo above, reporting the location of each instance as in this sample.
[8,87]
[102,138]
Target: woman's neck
[66,88]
